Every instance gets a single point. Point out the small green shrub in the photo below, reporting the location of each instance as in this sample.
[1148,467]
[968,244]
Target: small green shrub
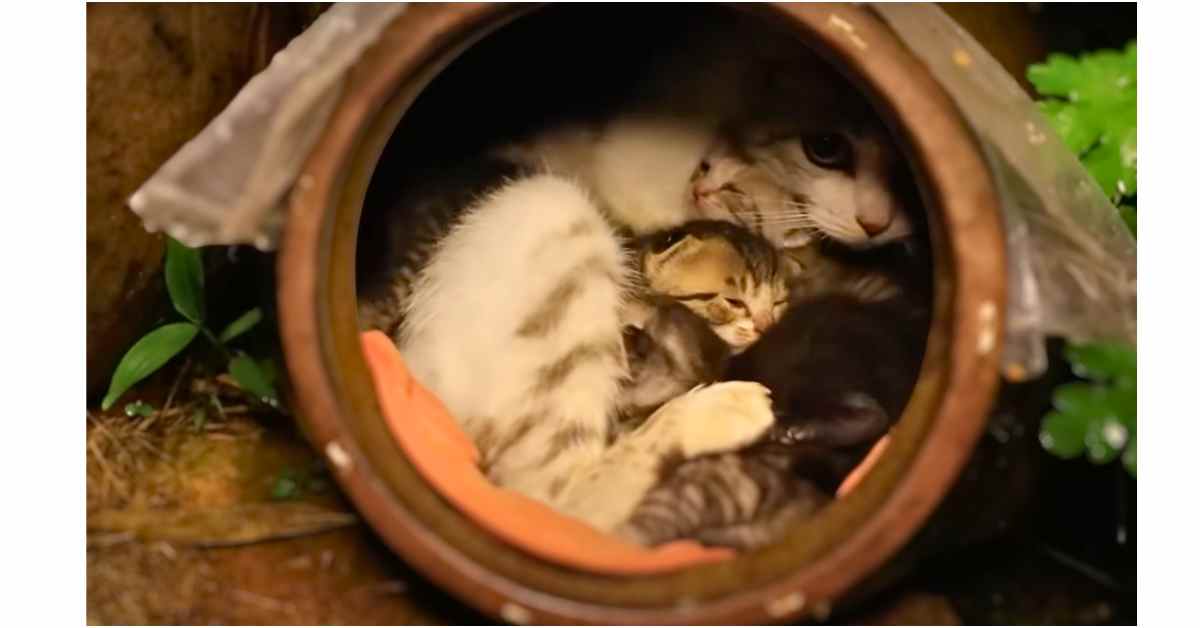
[1092,103]
[184,273]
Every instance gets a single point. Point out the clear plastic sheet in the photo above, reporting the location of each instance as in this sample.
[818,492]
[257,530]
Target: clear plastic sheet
[1072,261]
[228,184]
[1073,264]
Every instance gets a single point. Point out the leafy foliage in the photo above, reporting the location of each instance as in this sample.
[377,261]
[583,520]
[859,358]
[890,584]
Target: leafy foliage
[1092,103]
[147,356]
[1099,416]
[138,408]
[185,280]
[184,274]
[241,325]
[296,483]
[253,378]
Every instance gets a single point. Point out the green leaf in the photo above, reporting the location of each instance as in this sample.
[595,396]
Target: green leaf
[1129,215]
[1103,361]
[147,356]
[285,487]
[249,375]
[1076,132]
[243,324]
[1129,458]
[1104,440]
[1113,161]
[138,408]
[1092,103]
[269,370]
[185,280]
[1063,434]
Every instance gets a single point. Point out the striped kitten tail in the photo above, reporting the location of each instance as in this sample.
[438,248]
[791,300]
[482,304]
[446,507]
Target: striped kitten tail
[742,500]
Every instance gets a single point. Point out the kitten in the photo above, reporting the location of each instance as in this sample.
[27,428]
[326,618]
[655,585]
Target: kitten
[841,364]
[732,278]
[755,106]
[837,178]
[515,323]
[740,500]
[672,351]
[394,245]
[711,127]
[841,370]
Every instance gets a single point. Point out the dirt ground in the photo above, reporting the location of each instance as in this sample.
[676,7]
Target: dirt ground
[234,520]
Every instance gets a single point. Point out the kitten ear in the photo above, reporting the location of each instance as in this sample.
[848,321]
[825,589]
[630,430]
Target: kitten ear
[638,343]
[670,240]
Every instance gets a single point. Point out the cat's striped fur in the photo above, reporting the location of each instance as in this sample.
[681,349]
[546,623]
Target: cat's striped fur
[397,240]
[840,366]
[516,324]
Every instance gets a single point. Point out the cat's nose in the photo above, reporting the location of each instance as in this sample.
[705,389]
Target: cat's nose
[763,320]
[702,189]
[873,225]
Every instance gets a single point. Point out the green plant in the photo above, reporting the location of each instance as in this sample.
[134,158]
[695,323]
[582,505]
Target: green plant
[1092,103]
[1098,415]
[184,275]
[292,483]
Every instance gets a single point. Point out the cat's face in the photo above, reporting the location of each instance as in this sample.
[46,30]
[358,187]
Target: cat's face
[733,279]
[793,186]
[669,355]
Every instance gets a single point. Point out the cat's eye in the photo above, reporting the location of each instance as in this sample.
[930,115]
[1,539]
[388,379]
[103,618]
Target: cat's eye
[738,303]
[666,241]
[828,150]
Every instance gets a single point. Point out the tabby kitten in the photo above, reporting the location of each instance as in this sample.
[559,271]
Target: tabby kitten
[736,99]
[830,175]
[672,351]
[516,324]
[394,245]
[732,278]
[841,364]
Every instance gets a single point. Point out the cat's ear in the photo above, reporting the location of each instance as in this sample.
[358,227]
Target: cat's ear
[638,343]
[669,241]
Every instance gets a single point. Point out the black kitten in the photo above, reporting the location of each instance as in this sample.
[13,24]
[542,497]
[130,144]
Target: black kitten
[840,372]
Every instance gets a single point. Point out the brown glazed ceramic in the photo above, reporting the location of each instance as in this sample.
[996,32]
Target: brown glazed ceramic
[822,560]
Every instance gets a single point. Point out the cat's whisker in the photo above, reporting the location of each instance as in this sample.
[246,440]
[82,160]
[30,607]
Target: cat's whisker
[786,220]
[799,222]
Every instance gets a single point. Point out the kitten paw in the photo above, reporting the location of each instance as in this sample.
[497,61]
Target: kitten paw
[722,417]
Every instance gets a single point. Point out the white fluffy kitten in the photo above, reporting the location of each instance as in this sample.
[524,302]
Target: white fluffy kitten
[516,325]
[759,101]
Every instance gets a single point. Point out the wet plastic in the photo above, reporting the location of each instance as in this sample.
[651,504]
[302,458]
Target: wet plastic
[1072,261]
[228,184]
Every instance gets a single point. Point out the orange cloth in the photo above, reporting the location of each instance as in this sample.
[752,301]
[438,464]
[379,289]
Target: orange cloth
[448,460]
[445,456]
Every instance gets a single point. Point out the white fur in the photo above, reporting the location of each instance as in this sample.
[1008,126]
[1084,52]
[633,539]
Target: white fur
[638,166]
[459,337]
[486,277]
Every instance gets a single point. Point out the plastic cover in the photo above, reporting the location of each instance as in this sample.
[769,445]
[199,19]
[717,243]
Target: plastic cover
[228,184]
[1072,261]
[1073,264]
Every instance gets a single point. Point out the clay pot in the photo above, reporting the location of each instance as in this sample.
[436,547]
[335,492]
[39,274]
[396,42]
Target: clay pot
[817,564]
